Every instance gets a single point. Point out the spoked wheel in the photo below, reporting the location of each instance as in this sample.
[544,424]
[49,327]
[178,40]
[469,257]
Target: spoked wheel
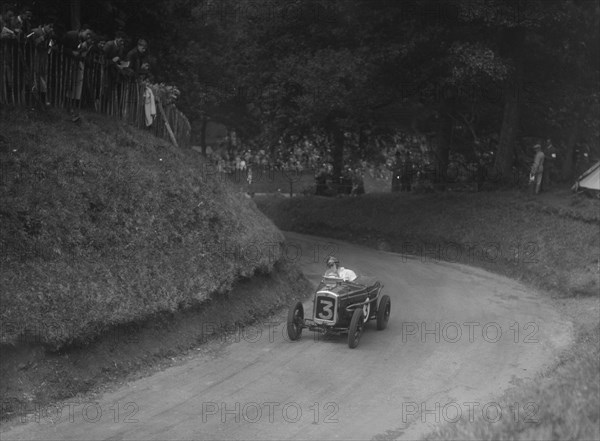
[295,321]
[356,328]
[383,312]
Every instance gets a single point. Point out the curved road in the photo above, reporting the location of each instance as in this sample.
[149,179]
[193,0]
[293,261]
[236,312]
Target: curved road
[457,337]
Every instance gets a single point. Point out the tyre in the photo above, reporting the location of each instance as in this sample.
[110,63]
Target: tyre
[356,328]
[295,321]
[383,312]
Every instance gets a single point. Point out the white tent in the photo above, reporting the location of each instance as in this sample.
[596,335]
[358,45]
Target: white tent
[590,180]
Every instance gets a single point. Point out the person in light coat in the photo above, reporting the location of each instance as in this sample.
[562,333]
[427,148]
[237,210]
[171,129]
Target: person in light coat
[537,169]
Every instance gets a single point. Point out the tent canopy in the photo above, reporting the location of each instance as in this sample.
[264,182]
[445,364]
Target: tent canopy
[590,180]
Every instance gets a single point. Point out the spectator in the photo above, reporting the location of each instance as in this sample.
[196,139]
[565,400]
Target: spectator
[407,172]
[114,53]
[43,43]
[321,180]
[8,33]
[138,60]
[537,169]
[114,50]
[6,23]
[78,43]
[358,185]
[397,173]
[21,24]
[550,168]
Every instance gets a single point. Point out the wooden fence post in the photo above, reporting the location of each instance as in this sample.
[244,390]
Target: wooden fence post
[167,125]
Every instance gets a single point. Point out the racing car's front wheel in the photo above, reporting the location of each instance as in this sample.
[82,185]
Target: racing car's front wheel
[295,321]
[356,328]
[383,312]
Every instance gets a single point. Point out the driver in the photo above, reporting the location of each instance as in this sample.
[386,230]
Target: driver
[335,270]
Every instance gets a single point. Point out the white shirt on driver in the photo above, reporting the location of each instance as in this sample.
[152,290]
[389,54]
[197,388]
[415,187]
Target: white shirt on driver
[342,273]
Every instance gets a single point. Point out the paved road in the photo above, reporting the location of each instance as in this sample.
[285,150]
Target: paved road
[457,338]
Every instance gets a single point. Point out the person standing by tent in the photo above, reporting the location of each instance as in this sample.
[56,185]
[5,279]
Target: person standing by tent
[537,169]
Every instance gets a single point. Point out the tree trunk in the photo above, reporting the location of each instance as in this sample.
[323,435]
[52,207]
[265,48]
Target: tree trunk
[75,14]
[568,165]
[505,155]
[508,135]
[442,152]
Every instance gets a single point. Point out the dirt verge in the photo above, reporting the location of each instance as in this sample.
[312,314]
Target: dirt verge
[32,376]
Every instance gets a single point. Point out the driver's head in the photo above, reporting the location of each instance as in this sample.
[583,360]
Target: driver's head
[333,263]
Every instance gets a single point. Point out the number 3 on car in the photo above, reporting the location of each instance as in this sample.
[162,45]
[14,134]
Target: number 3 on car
[341,307]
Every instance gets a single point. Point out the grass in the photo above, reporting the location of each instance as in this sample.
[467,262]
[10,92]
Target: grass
[31,376]
[562,404]
[552,248]
[550,242]
[103,224]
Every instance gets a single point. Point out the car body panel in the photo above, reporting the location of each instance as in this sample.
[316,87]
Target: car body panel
[335,300]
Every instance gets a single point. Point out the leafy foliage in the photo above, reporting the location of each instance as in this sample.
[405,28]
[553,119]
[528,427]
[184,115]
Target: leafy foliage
[458,71]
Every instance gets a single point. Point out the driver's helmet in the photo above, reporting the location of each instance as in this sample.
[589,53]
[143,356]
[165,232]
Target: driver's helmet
[332,262]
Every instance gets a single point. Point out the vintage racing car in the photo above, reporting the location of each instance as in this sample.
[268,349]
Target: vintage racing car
[341,307]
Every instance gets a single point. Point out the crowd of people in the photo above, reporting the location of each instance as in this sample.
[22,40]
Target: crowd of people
[231,156]
[399,159]
[35,40]
[305,156]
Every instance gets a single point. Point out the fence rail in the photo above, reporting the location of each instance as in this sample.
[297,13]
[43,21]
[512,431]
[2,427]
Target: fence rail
[30,75]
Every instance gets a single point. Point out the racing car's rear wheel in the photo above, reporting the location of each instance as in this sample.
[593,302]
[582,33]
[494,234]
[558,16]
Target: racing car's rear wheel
[295,321]
[356,328]
[383,312]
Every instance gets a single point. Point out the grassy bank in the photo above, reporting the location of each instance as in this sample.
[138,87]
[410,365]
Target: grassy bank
[32,377]
[102,225]
[549,245]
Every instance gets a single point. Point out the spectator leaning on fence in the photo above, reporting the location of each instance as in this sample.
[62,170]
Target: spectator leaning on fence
[114,54]
[114,51]
[10,59]
[21,24]
[77,43]
[6,31]
[43,43]
[138,60]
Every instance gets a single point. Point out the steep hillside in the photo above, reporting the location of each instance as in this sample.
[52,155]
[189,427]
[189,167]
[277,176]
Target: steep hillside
[103,224]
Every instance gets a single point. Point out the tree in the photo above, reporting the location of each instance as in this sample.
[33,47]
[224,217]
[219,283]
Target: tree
[519,33]
[75,10]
